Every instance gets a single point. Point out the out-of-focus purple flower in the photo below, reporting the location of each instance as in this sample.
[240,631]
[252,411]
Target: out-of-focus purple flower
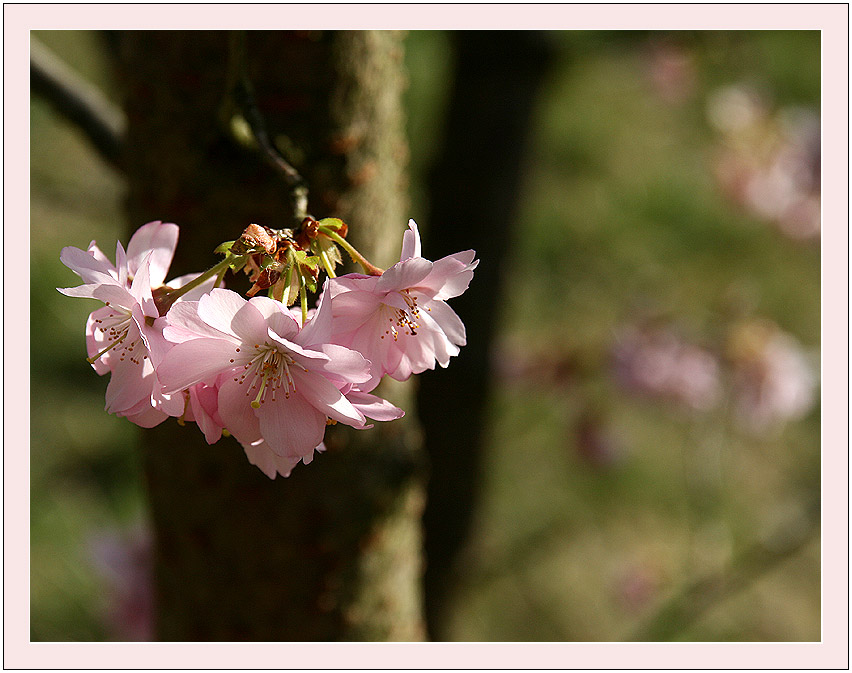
[774,382]
[658,363]
[597,444]
[125,563]
[770,162]
[637,585]
[671,71]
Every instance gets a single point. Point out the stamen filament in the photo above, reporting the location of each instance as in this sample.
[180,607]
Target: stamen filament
[91,360]
[255,403]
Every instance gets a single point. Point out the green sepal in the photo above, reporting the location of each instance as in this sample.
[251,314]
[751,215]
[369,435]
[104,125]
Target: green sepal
[224,248]
[306,261]
[310,282]
[292,288]
[332,223]
[238,262]
[268,262]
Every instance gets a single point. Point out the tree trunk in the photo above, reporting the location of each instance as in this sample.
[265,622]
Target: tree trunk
[334,551]
[474,196]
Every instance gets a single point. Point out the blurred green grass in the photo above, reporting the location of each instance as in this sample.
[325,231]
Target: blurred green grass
[620,217]
[85,478]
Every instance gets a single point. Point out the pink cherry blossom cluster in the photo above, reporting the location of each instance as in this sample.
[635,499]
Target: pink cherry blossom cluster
[269,375]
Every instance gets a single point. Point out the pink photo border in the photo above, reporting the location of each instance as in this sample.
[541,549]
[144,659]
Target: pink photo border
[831,652]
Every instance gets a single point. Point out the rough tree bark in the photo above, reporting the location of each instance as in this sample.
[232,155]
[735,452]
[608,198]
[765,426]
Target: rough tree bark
[332,552]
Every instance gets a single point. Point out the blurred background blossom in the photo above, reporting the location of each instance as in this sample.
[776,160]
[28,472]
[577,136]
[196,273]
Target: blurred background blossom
[123,560]
[769,162]
[659,363]
[775,380]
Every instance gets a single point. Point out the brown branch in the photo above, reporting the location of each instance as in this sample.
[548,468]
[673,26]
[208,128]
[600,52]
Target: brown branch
[78,101]
[243,93]
[687,606]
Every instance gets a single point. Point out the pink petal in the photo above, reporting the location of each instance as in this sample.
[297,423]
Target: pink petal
[206,422]
[96,340]
[367,341]
[439,345]
[404,275]
[318,329]
[320,448]
[147,418]
[410,242]
[270,464]
[236,412]
[325,397]
[292,427]
[141,289]
[196,360]
[228,312]
[90,268]
[208,399]
[345,365]
[139,319]
[447,320]
[283,325]
[451,275]
[101,257]
[121,263]
[266,306]
[129,384]
[351,282]
[374,407]
[306,357]
[83,291]
[115,295]
[183,323]
[404,367]
[174,405]
[351,310]
[158,238]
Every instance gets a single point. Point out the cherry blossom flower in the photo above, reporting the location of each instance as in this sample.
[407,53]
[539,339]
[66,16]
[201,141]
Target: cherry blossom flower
[774,379]
[277,384]
[400,320]
[124,337]
[659,363]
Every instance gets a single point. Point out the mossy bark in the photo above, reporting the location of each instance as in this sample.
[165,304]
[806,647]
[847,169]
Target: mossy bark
[334,551]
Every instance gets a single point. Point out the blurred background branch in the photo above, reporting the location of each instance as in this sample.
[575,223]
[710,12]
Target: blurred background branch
[243,105]
[678,615]
[79,101]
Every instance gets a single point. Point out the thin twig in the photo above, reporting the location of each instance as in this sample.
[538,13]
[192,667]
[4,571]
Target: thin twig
[243,94]
[79,101]
[688,605]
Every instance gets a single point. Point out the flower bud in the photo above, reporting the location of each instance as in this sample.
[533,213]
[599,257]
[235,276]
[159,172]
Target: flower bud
[254,237]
